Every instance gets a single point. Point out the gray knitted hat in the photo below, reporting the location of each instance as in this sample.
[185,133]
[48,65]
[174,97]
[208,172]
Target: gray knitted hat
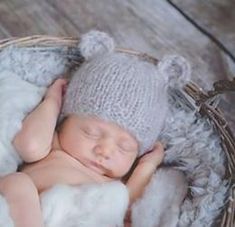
[123,89]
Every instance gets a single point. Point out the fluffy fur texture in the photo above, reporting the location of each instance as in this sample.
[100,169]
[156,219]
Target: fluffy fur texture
[35,65]
[192,146]
[163,197]
[17,98]
[85,206]
[5,219]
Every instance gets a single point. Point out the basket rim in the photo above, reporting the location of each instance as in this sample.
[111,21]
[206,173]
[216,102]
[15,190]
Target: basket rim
[43,40]
[201,98]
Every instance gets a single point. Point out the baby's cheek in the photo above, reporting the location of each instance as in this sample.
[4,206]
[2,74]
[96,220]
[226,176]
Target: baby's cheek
[124,165]
[77,148]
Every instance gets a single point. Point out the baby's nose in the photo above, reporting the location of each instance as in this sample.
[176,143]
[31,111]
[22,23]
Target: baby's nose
[104,150]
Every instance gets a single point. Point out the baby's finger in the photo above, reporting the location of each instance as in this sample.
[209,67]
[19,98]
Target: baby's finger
[158,146]
[61,81]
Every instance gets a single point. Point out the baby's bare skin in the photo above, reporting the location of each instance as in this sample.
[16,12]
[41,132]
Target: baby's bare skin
[60,168]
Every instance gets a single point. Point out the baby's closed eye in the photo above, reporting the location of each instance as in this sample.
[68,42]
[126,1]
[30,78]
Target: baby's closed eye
[92,132]
[126,146]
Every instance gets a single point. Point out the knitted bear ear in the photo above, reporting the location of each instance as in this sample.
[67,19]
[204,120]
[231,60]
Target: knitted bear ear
[95,43]
[175,70]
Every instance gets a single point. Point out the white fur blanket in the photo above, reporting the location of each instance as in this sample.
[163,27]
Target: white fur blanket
[192,146]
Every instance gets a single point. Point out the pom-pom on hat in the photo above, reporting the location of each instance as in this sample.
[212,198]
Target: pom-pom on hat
[123,89]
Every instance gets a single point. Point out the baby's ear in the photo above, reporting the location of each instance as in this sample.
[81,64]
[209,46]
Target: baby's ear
[95,43]
[175,70]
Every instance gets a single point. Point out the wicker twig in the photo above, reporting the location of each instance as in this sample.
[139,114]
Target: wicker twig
[222,86]
[38,40]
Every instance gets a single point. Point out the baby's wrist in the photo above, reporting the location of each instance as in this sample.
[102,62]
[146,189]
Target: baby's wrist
[54,102]
[150,166]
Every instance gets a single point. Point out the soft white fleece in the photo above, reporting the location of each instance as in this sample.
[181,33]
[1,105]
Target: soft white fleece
[85,206]
[17,98]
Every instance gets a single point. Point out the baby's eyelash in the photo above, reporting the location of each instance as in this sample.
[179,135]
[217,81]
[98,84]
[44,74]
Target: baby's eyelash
[91,133]
[125,148]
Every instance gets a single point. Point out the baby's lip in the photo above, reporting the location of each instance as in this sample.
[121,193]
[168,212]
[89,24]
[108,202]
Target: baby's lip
[97,166]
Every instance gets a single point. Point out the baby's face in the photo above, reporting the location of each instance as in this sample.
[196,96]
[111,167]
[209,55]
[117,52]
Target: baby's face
[101,146]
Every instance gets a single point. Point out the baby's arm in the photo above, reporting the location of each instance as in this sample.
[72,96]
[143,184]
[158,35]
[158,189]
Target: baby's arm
[23,200]
[33,141]
[144,171]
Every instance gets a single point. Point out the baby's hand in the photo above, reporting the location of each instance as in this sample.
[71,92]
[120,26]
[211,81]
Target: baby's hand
[56,91]
[155,156]
[143,172]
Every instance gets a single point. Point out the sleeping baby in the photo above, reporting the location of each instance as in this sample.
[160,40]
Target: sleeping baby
[93,130]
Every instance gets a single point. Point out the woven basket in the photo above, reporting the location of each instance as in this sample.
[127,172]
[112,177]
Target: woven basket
[203,102]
